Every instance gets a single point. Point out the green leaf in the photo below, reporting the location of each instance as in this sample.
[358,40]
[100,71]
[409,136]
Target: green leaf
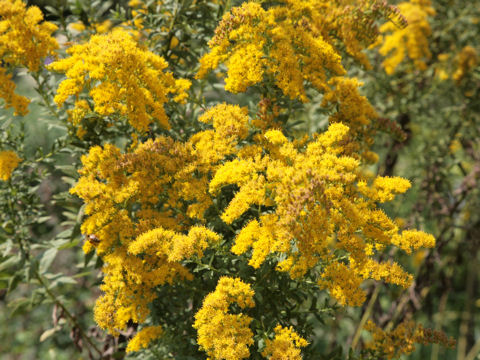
[88,257]
[13,282]
[18,305]
[69,170]
[47,259]
[9,262]
[68,180]
[82,274]
[69,244]
[65,234]
[63,280]
[43,219]
[70,215]
[30,269]
[52,10]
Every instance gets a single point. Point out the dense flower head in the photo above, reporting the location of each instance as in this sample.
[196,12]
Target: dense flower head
[144,337]
[121,77]
[355,111]
[410,42]
[316,198]
[292,42]
[7,93]
[319,202]
[25,40]
[143,249]
[9,160]
[254,45]
[286,345]
[162,175]
[295,43]
[220,334]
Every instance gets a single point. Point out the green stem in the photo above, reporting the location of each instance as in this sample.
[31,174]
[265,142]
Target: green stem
[39,89]
[67,313]
[366,315]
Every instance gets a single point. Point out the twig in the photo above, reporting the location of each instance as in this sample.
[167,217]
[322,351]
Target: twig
[365,316]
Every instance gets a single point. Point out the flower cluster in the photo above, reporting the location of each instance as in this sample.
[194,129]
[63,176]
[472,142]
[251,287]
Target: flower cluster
[144,205]
[354,110]
[25,39]
[402,339]
[144,337]
[408,42]
[143,251]
[285,346]
[318,201]
[223,335]
[7,93]
[121,78]
[467,60]
[319,172]
[292,42]
[9,160]
[167,182]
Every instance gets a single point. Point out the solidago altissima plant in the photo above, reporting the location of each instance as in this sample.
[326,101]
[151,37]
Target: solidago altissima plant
[223,231]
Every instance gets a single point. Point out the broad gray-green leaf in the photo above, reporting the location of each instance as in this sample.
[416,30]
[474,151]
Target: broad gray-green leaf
[47,259]
[9,262]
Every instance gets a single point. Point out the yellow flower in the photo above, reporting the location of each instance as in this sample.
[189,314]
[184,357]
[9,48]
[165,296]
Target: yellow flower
[9,160]
[241,40]
[121,78]
[355,111]
[174,42]
[135,3]
[467,59]
[275,137]
[292,42]
[316,195]
[103,27]
[220,334]
[7,93]
[410,41]
[413,239]
[144,337]
[285,346]
[145,252]
[25,39]
[402,339]
[77,26]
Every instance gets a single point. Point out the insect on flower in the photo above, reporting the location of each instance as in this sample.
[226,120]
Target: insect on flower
[92,239]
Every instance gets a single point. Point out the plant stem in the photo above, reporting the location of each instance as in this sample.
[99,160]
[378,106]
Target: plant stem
[365,316]
[67,313]
[44,96]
